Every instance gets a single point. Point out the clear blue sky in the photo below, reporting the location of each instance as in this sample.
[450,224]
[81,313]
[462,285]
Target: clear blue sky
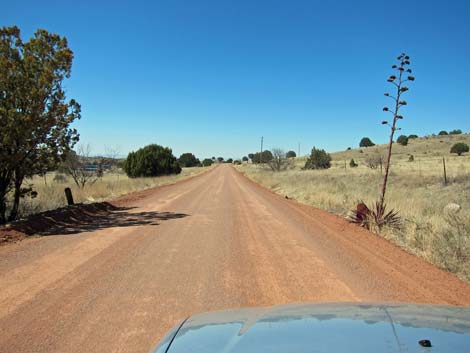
[212,77]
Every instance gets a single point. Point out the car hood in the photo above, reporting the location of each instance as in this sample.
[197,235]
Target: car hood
[324,328]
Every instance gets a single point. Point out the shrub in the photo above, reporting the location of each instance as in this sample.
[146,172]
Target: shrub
[373,162]
[366,142]
[60,178]
[318,159]
[237,162]
[291,154]
[349,149]
[459,148]
[245,159]
[443,132]
[352,163]
[230,160]
[411,158]
[413,137]
[152,160]
[455,132]
[402,140]
[279,161]
[452,246]
[188,160]
[207,162]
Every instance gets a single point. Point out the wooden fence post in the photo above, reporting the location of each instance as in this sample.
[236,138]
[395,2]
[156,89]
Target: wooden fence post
[68,195]
[445,173]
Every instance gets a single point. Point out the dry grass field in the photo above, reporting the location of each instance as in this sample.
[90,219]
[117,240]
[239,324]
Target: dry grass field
[51,190]
[416,189]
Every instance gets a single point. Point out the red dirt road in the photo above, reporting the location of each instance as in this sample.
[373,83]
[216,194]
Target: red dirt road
[215,241]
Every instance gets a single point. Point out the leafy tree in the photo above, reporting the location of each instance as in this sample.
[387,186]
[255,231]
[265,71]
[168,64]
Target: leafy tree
[251,155]
[318,159]
[404,75]
[412,137]
[459,148]
[455,132]
[237,162]
[291,154]
[188,160]
[366,142]
[35,115]
[220,159]
[265,157]
[443,132]
[207,162]
[152,160]
[245,159]
[402,140]
[352,163]
[230,160]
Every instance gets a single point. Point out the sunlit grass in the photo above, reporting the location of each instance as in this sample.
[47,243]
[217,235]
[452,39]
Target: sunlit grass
[111,185]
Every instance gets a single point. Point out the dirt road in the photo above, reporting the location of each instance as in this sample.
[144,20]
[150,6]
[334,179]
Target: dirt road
[212,242]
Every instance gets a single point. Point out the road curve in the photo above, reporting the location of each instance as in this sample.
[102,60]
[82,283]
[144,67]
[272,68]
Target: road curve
[215,241]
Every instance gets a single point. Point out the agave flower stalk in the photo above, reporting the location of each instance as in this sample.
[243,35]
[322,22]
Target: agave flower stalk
[398,80]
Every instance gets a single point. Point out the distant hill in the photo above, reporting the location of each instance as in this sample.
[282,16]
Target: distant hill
[427,146]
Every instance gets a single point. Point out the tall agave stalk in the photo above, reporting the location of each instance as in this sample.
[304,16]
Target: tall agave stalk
[398,80]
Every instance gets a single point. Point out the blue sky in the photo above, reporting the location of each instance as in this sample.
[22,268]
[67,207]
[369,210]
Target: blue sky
[212,77]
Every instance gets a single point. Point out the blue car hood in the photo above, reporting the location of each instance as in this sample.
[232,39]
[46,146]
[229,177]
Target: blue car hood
[324,328]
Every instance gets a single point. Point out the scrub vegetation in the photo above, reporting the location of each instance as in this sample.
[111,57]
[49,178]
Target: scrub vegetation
[435,215]
[50,188]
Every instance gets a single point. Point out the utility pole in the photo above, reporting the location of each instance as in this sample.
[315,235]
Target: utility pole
[261,152]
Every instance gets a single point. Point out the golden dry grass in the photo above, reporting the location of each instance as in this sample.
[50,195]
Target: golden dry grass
[111,185]
[416,189]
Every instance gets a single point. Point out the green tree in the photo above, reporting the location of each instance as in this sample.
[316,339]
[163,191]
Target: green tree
[455,132]
[188,160]
[318,159]
[459,148]
[207,162]
[412,137]
[230,160]
[443,133]
[245,159]
[402,140]
[251,155]
[291,154]
[35,115]
[220,159]
[366,142]
[265,157]
[150,161]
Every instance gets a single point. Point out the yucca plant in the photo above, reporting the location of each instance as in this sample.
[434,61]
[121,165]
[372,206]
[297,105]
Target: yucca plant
[375,218]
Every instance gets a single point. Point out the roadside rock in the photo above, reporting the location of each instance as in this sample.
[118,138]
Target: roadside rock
[452,208]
